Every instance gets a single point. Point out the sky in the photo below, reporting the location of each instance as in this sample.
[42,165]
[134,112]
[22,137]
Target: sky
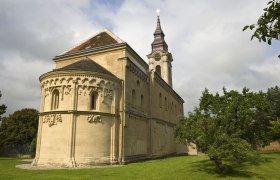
[205,38]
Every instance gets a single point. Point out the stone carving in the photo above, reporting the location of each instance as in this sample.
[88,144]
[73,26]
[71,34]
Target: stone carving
[108,93]
[67,90]
[52,119]
[94,118]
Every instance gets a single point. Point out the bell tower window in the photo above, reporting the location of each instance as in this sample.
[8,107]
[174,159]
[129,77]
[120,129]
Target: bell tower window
[158,69]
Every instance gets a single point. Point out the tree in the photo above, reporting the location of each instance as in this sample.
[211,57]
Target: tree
[273,98]
[20,128]
[227,126]
[268,25]
[2,108]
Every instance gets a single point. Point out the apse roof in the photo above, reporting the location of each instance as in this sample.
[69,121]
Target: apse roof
[86,65]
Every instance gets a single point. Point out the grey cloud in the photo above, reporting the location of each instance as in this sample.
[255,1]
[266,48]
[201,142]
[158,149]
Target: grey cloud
[205,38]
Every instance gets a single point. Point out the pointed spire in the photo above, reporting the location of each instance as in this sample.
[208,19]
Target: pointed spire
[159,43]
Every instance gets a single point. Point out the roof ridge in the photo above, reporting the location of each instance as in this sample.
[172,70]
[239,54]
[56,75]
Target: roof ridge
[115,37]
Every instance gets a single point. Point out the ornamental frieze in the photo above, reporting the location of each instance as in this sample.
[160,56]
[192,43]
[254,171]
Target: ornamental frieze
[95,81]
[52,119]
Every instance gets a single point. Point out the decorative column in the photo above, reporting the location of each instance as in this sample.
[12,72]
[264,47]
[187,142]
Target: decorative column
[72,131]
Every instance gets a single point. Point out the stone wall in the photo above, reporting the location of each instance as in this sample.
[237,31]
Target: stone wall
[273,146]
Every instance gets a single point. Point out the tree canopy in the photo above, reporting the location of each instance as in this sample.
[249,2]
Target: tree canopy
[273,98]
[228,125]
[20,128]
[2,108]
[268,25]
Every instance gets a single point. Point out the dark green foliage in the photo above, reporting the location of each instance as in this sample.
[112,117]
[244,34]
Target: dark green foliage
[20,128]
[268,25]
[273,98]
[33,147]
[227,126]
[2,108]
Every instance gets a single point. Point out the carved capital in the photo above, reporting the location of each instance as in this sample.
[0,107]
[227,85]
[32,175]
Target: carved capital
[52,119]
[94,118]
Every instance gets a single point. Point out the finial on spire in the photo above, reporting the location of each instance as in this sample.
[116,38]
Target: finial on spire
[158,11]
[159,42]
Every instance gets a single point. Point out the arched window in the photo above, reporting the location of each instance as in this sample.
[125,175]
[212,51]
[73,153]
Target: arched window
[158,69]
[93,101]
[160,100]
[142,102]
[165,103]
[138,83]
[55,99]
[172,108]
[133,96]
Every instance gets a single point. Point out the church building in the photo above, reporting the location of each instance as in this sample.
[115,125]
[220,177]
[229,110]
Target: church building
[103,104]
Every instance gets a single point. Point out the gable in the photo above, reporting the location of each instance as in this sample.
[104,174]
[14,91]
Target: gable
[104,38]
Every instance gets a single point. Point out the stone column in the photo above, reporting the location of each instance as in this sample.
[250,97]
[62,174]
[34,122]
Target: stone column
[72,132]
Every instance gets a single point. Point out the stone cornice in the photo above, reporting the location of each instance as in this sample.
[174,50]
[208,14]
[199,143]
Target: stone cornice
[140,60]
[77,112]
[87,52]
[166,86]
[135,69]
[163,121]
[137,113]
[52,74]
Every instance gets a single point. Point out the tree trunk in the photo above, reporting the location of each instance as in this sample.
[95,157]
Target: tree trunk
[218,163]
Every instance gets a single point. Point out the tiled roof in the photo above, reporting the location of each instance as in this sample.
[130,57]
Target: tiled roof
[104,38]
[86,65]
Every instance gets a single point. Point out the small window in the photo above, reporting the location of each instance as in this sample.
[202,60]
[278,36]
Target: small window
[142,102]
[160,100]
[165,103]
[158,69]
[138,83]
[133,96]
[93,98]
[55,99]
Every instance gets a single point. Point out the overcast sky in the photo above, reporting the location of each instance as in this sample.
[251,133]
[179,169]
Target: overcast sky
[205,38]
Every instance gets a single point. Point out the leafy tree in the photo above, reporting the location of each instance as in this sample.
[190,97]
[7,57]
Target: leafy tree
[20,128]
[227,126]
[276,129]
[268,25]
[2,108]
[273,98]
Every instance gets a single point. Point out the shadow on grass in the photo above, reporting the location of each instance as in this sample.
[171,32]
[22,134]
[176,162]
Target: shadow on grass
[235,169]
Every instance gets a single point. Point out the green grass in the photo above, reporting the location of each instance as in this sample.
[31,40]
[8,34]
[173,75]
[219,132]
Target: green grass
[183,167]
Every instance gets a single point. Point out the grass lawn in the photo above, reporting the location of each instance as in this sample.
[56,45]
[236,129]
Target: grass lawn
[182,167]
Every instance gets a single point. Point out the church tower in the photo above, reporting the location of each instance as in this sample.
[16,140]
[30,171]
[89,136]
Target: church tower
[160,59]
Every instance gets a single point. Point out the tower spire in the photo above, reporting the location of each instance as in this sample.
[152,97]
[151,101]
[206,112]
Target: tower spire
[159,43]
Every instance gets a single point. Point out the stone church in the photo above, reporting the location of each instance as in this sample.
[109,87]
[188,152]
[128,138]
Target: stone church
[103,104]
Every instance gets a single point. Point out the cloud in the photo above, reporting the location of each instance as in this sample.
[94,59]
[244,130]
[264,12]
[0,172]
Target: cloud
[32,33]
[205,38]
